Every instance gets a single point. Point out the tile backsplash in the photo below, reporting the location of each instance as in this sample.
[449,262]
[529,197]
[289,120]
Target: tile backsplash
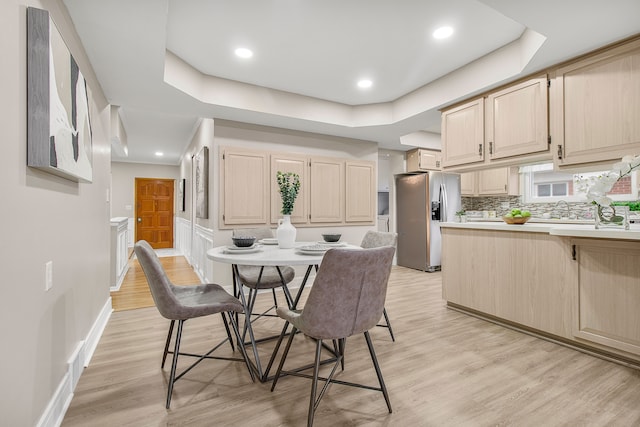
[503,204]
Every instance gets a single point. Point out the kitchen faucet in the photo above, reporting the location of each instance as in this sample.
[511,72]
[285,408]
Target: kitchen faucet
[566,205]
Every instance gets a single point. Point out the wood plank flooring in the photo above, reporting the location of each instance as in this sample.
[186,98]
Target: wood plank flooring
[445,369]
[134,292]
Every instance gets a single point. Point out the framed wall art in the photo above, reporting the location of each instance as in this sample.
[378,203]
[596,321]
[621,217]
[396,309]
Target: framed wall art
[59,139]
[182,185]
[201,161]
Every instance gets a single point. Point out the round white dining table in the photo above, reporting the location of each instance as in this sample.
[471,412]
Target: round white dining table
[269,256]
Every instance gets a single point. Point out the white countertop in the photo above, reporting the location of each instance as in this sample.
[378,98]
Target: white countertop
[569,230]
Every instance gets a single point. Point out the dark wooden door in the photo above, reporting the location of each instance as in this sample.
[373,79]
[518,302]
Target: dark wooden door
[154,211]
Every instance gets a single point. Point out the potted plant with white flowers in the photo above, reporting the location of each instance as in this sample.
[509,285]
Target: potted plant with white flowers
[289,186]
[596,189]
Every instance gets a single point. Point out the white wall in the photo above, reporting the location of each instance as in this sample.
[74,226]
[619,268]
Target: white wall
[46,218]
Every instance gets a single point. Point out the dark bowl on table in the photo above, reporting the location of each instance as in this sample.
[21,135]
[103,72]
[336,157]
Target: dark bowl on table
[243,242]
[331,238]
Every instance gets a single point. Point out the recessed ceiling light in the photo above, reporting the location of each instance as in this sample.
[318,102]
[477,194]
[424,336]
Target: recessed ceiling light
[365,84]
[159,153]
[243,52]
[442,32]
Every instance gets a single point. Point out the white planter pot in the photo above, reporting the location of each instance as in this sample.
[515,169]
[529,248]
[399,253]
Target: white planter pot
[286,232]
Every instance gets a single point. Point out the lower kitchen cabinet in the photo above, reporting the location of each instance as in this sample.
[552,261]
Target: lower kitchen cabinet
[606,310]
[584,291]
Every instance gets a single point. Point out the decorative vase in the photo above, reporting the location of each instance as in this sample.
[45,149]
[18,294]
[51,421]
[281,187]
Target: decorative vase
[612,217]
[286,233]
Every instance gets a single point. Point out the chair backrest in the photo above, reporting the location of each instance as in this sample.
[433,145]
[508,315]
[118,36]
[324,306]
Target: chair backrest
[348,292]
[375,239]
[159,284]
[259,233]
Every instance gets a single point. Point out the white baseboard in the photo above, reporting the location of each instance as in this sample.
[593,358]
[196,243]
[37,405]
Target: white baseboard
[79,359]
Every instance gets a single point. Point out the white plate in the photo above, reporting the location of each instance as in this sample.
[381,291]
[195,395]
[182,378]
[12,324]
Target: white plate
[239,249]
[251,250]
[306,252]
[315,248]
[268,241]
[332,243]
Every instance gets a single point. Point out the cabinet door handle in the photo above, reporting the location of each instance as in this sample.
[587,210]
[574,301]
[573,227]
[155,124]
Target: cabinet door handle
[559,151]
[479,149]
[573,252]
[490,147]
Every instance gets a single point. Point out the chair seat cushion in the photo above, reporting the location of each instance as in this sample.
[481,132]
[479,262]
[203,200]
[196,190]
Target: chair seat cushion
[202,300]
[270,278]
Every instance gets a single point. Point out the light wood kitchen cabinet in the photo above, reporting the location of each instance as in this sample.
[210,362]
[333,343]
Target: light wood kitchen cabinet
[360,194]
[422,159]
[327,190]
[596,105]
[333,191]
[490,182]
[493,181]
[468,184]
[517,119]
[463,134]
[606,307]
[245,182]
[522,277]
[295,164]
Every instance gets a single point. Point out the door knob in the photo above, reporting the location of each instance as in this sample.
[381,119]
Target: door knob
[139,219]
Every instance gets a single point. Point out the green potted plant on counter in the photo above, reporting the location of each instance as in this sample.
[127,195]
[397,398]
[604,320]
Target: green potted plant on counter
[462,216]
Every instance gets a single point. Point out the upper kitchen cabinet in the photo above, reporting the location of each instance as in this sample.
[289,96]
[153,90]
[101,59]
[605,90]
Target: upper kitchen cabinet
[463,134]
[490,182]
[333,191]
[468,184]
[360,194]
[327,191]
[596,105]
[244,177]
[517,119]
[295,164]
[421,159]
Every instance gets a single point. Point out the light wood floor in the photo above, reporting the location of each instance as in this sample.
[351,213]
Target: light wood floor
[134,292]
[445,369]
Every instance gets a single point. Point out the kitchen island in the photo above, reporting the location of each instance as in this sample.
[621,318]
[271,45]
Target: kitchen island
[567,282]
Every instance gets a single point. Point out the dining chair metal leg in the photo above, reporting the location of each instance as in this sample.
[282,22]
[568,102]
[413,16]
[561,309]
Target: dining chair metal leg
[166,345]
[174,363]
[247,327]
[387,324]
[236,331]
[313,404]
[374,359]
[226,327]
[284,356]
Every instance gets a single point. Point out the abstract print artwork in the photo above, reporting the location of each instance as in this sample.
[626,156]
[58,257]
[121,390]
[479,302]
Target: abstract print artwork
[201,161]
[59,135]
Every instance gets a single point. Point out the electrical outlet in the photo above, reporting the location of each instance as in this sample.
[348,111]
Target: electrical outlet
[48,275]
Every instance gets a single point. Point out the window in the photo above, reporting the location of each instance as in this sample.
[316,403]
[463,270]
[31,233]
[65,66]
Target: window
[541,184]
[552,189]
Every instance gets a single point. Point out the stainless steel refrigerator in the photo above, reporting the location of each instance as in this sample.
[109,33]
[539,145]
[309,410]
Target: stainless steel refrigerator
[423,200]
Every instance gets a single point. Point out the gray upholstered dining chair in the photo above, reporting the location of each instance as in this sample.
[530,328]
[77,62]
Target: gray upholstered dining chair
[347,298]
[187,302]
[376,239]
[257,278]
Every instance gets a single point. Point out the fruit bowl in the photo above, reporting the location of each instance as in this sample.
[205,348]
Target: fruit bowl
[515,220]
